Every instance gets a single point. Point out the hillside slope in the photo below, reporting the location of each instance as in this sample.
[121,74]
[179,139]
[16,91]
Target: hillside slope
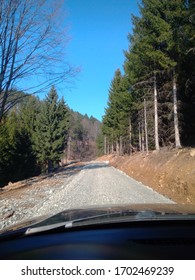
[171,173]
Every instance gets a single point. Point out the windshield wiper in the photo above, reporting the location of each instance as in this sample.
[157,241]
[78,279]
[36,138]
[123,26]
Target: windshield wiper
[120,216]
[69,224]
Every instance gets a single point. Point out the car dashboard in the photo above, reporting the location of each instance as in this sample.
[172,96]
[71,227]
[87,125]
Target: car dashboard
[128,240]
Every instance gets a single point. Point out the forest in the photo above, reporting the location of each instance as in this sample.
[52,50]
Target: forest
[151,103]
[37,136]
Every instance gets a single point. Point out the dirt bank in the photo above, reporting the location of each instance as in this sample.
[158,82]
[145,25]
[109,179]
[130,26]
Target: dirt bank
[171,173]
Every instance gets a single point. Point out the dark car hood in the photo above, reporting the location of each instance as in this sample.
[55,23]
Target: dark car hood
[82,213]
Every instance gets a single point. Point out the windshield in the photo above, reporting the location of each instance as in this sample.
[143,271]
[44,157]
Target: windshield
[104,119]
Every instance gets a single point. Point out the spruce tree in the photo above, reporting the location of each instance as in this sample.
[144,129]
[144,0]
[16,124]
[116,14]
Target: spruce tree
[50,135]
[116,119]
[17,159]
[159,67]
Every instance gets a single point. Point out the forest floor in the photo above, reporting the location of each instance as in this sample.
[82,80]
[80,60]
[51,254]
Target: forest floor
[169,172]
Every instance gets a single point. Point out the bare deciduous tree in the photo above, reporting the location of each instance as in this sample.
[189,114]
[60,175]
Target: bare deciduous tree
[32,44]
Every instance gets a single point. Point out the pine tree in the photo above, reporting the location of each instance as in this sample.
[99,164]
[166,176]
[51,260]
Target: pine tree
[17,160]
[116,119]
[28,111]
[157,45]
[50,135]
[159,67]
[100,144]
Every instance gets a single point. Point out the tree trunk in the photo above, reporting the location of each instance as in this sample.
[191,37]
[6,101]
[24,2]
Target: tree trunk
[112,144]
[105,145]
[176,122]
[146,126]
[68,149]
[121,146]
[156,116]
[108,148]
[112,148]
[117,148]
[49,166]
[130,136]
[140,140]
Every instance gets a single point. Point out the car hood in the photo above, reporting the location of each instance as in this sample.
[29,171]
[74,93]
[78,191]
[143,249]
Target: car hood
[138,211]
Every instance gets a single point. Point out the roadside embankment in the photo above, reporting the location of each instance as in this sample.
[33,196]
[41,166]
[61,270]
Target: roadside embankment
[171,173]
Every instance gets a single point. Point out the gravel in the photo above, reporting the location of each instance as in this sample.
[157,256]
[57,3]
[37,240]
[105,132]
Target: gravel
[89,185]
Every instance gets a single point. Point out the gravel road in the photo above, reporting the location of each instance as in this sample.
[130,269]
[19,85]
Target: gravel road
[99,184]
[96,183]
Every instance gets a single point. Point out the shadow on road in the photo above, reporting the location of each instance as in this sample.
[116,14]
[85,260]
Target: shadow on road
[96,166]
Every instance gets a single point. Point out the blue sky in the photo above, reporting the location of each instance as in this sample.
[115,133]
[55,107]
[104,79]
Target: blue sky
[98,31]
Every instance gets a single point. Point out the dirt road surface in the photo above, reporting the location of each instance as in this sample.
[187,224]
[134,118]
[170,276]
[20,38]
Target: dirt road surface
[95,183]
[99,184]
